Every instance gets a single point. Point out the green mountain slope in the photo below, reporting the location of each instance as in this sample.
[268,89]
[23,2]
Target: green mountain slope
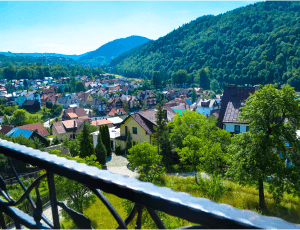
[257,44]
[110,50]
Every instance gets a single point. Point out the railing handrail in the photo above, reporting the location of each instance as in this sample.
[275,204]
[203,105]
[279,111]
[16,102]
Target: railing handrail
[183,205]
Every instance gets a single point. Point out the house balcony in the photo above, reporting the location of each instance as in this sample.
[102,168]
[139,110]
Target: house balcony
[201,211]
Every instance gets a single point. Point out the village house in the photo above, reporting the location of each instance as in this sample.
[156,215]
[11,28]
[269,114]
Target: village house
[15,132]
[74,113]
[66,129]
[141,127]
[116,112]
[147,98]
[207,106]
[30,95]
[99,104]
[232,101]
[114,102]
[37,127]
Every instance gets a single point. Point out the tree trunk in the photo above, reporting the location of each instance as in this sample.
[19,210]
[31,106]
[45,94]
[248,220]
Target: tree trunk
[196,179]
[262,204]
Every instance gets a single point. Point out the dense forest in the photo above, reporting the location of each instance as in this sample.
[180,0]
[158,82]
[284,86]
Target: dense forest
[22,67]
[105,53]
[257,44]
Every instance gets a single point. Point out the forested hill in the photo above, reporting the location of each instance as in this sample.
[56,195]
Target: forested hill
[257,44]
[110,50]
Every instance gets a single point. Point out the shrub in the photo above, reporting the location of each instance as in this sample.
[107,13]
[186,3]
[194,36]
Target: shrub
[118,150]
[56,141]
[214,187]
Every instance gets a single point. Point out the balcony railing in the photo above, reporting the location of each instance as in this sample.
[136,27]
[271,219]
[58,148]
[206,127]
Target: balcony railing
[201,211]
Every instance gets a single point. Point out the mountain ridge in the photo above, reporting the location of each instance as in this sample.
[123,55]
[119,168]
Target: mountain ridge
[256,44]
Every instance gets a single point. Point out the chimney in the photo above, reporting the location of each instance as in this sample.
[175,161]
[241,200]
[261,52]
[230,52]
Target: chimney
[36,130]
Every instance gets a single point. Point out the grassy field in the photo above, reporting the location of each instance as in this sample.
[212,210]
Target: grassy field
[235,195]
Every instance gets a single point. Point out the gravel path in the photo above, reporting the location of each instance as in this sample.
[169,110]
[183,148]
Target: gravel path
[119,165]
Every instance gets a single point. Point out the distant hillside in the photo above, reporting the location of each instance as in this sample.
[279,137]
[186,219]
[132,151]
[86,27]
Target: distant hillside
[74,57]
[256,44]
[110,50]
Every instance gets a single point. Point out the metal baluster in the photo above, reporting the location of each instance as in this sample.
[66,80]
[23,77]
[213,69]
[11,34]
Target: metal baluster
[156,218]
[2,221]
[28,197]
[53,200]
[139,217]
[17,224]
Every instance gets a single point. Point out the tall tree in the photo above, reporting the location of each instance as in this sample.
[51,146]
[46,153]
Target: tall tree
[80,86]
[128,143]
[156,79]
[100,149]
[180,77]
[86,147]
[202,78]
[107,143]
[19,117]
[194,95]
[125,106]
[274,117]
[161,121]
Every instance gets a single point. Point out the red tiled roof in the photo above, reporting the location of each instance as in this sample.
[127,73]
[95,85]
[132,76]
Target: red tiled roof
[114,112]
[36,127]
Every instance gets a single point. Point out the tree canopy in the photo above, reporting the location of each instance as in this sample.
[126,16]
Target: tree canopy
[274,117]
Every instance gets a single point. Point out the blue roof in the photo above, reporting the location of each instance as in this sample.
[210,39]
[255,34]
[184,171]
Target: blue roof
[17,132]
[188,101]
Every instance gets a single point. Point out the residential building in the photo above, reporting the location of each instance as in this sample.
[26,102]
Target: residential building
[74,113]
[15,132]
[102,122]
[66,129]
[115,102]
[141,126]
[147,98]
[207,106]
[30,95]
[37,127]
[113,134]
[116,112]
[32,105]
[232,101]
[99,104]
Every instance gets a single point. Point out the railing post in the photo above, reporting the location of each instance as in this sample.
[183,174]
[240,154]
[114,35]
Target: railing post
[53,200]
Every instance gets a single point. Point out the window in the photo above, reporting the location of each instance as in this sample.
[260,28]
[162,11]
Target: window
[134,130]
[237,128]
[247,128]
[224,127]
[71,136]
[133,143]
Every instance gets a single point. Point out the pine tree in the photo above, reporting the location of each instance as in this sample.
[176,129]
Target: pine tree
[108,148]
[128,143]
[86,146]
[194,95]
[100,149]
[162,134]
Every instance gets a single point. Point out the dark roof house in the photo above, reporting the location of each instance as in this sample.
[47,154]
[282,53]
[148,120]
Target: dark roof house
[233,99]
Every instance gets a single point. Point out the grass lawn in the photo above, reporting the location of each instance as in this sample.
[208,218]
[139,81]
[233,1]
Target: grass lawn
[236,195]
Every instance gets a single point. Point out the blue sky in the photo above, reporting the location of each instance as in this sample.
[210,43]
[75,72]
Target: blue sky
[78,27]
